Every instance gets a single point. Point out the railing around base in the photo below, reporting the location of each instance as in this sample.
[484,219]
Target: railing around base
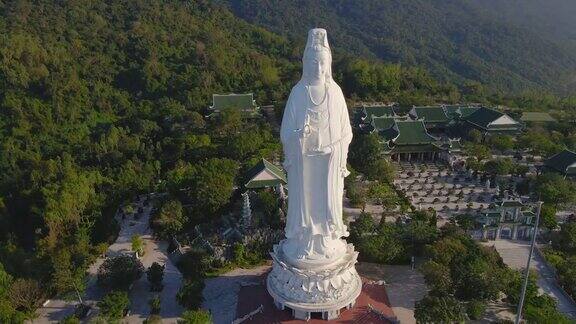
[248,316]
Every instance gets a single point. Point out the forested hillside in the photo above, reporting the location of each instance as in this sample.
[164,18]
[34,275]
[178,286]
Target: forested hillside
[508,45]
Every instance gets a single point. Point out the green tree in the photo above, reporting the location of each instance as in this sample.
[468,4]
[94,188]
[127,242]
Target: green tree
[433,309]
[155,274]
[383,194]
[365,149]
[120,272]
[501,142]
[114,305]
[26,295]
[190,294]
[475,136]
[170,219]
[384,247]
[548,217]
[554,189]
[438,278]
[362,226]
[381,170]
[212,184]
[478,151]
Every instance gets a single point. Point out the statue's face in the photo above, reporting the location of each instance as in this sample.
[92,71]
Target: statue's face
[317,67]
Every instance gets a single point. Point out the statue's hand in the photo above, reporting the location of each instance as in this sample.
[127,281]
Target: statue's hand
[344,171]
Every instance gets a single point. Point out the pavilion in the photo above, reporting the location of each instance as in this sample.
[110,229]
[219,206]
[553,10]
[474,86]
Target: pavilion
[563,163]
[491,122]
[244,102]
[265,175]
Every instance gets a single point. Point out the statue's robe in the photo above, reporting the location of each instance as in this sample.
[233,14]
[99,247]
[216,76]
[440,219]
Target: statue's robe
[315,183]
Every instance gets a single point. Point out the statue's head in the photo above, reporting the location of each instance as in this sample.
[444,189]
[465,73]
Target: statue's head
[317,60]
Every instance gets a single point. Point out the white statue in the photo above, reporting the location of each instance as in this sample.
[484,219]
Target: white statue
[314,268]
[315,135]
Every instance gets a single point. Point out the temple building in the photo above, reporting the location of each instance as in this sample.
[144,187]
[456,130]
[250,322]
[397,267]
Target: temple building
[368,111]
[563,163]
[491,122]
[265,175]
[435,118]
[508,219]
[537,117]
[406,138]
[243,102]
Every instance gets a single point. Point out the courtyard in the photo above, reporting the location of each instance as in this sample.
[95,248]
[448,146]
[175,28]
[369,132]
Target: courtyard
[435,186]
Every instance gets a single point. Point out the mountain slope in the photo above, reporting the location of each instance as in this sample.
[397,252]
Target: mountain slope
[457,40]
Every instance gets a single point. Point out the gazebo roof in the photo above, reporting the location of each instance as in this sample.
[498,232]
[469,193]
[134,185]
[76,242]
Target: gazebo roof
[244,101]
[487,118]
[564,162]
[537,117]
[265,174]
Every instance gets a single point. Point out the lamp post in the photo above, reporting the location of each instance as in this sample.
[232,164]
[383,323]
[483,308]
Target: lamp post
[527,271]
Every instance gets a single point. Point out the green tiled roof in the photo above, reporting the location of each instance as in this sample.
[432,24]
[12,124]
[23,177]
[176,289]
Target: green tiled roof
[378,111]
[533,116]
[433,114]
[483,117]
[235,101]
[261,166]
[564,162]
[412,132]
[467,111]
[452,111]
[389,133]
[382,123]
[415,148]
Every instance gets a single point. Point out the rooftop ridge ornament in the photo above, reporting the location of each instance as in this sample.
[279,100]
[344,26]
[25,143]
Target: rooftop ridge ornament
[314,268]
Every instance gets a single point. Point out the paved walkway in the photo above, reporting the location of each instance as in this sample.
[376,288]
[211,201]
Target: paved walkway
[221,293]
[155,251]
[515,255]
[404,287]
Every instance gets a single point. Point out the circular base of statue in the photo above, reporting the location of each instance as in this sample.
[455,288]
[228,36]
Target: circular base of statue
[326,290]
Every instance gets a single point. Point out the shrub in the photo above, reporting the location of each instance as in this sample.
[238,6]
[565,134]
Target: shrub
[190,294]
[475,309]
[154,304]
[114,305]
[196,317]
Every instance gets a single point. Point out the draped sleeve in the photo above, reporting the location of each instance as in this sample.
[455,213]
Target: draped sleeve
[288,134]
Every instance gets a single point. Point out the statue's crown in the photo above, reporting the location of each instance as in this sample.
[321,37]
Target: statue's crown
[317,41]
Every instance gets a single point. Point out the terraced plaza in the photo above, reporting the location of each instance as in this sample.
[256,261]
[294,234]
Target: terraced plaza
[434,186]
